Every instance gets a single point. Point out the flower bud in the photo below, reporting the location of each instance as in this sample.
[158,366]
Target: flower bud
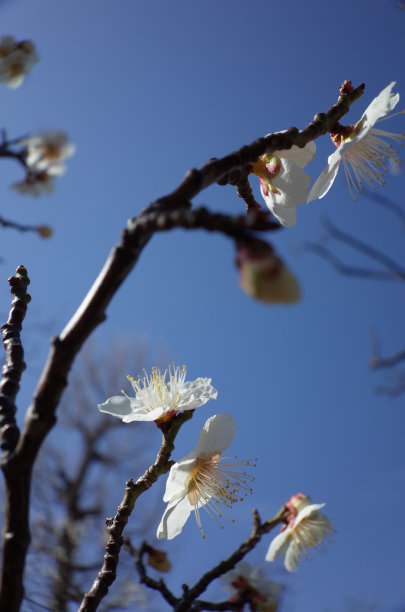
[158,559]
[263,275]
[44,231]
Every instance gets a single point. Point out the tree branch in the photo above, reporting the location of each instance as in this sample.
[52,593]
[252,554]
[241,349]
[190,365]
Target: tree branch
[16,534]
[393,272]
[116,525]
[41,415]
[189,602]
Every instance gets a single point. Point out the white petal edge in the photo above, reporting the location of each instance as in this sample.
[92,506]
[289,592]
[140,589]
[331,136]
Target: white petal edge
[292,555]
[286,216]
[278,546]
[118,406]
[306,512]
[177,481]
[326,179]
[217,434]
[299,155]
[174,519]
[384,103]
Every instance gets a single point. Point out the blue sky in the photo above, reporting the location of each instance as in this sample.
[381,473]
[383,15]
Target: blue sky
[146,91]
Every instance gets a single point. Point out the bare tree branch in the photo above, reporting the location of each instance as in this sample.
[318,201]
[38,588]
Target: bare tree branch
[16,535]
[393,272]
[116,525]
[341,267]
[397,271]
[41,415]
[387,203]
[189,601]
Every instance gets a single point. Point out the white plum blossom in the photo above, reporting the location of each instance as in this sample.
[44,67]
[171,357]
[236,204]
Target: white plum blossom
[35,184]
[283,183]
[157,398]
[247,580]
[305,528]
[204,479]
[47,152]
[362,149]
[16,60]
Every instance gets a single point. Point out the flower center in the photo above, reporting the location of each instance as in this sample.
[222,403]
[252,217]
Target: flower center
[153,391]
[215,480]
[366,160]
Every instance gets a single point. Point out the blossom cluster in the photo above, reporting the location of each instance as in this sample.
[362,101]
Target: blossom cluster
[361,148]
[43,154]
[45,159]
[204,479]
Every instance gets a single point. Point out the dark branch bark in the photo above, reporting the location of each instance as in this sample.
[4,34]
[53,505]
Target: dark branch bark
[189,601]
[16,534]
[116,525]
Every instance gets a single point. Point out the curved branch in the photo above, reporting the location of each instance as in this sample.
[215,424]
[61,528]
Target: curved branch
[223,567]
[189,602]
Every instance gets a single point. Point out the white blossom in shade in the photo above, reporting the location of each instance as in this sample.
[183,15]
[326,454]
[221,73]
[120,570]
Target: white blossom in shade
[47,152]
[204,479]
[247,580]
[306,528]
[362,149]
[35,184]
[283,183]
[160,396]
[16,60]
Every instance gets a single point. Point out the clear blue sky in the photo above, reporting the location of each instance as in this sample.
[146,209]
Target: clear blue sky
[146,90]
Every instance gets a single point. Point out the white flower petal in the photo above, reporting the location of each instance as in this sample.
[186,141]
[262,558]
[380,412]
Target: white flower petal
[307,511]
[380,106]
[325,180]
[195,393]
[174,519]
[176,484]
[217,434]
[292,555]
[286,216]
[119,406]
[292,185]
[300,156]
[144,415]
[278,546]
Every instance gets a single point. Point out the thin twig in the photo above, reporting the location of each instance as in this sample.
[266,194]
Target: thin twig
[189,601]
[343,268]
[20,226]
[116,525]
[377,362]
[387,203]
[392,266]
[225,566]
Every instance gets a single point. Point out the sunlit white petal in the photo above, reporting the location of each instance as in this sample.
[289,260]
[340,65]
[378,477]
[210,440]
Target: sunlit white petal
[203,479]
